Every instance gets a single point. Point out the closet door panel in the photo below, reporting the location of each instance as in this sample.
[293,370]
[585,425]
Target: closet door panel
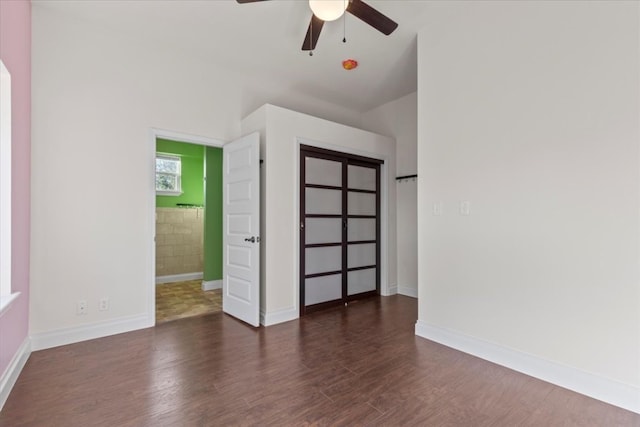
[323,201]
[323,230]
[323,260]
[361,281]
[361,203]
[361,178]
[361,229]
[361,255]
[323,289]
[323,172]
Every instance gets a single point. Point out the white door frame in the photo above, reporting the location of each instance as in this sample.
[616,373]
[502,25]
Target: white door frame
[154,134]
[385,286]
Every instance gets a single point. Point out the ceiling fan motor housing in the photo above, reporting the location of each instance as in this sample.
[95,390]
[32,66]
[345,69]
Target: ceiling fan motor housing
[328,10]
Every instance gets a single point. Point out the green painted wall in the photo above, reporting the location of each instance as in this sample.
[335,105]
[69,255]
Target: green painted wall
[213,214]
[192,173]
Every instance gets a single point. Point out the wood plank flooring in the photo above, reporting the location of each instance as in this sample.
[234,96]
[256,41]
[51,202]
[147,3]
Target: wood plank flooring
[360,365]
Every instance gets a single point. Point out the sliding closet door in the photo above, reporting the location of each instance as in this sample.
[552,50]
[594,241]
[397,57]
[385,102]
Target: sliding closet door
[363,228]
[321,230]
[339,228]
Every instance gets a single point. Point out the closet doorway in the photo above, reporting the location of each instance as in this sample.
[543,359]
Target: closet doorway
[339,228]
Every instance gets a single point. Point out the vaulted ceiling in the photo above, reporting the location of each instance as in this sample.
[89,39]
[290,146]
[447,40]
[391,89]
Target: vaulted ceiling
[266,38]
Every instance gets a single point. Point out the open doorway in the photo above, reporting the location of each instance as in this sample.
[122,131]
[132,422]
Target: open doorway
[188,224]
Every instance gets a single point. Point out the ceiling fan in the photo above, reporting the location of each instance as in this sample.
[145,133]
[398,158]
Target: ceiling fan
[330,10]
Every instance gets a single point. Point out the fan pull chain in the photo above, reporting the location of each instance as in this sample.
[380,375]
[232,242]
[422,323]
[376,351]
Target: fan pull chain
[344,25]
[311,38]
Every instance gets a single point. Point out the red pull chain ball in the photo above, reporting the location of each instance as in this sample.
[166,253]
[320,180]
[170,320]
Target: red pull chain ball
[349,64]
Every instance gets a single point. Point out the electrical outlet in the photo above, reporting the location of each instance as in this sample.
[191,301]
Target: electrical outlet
[104,304]
[81,307]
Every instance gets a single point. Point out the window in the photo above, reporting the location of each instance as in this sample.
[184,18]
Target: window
[6,297]
[168,170]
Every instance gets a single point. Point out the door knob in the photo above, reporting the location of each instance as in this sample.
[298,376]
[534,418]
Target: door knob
[250,239]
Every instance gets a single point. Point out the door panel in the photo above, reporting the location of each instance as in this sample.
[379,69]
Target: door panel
[238,159]
[323,201]
[361,281]
[322,260]
[323,289]
[239,289]
[239,192]
[361,203]
[238,256]
[241,225]
[323,230]
[361,229]
[362,178]
[323,172]
[361,255]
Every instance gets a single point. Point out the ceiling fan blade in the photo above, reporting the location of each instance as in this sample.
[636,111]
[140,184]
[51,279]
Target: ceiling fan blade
[248,1]
[377,20]
[313,32]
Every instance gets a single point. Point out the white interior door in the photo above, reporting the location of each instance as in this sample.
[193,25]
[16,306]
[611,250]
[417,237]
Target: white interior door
[241,224]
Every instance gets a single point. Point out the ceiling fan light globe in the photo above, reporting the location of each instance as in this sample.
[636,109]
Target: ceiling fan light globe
[328,10]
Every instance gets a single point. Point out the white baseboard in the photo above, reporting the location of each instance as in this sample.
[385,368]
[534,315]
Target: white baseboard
[391,290]
[607,390]
[278,316]
[408,291]
[10,375]
[41,341]
[178,277]
[209,285]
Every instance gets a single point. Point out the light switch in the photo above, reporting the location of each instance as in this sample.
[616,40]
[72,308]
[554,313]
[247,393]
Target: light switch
[465,207]
[437,208]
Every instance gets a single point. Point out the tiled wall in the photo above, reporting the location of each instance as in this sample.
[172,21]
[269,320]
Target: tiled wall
[179,240]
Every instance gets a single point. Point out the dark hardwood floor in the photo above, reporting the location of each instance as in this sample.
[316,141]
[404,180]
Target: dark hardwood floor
[360,365]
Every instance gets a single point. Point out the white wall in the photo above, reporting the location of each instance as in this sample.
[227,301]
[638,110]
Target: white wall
[398,119]
[96,96]
[529,110]
[280,223]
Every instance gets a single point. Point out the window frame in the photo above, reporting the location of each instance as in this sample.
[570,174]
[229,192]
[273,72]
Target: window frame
[7,296]
[178,175]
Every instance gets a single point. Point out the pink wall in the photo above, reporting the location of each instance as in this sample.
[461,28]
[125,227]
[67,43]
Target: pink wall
[15,52]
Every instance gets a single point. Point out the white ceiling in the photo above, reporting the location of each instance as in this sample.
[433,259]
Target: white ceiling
[266,38]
